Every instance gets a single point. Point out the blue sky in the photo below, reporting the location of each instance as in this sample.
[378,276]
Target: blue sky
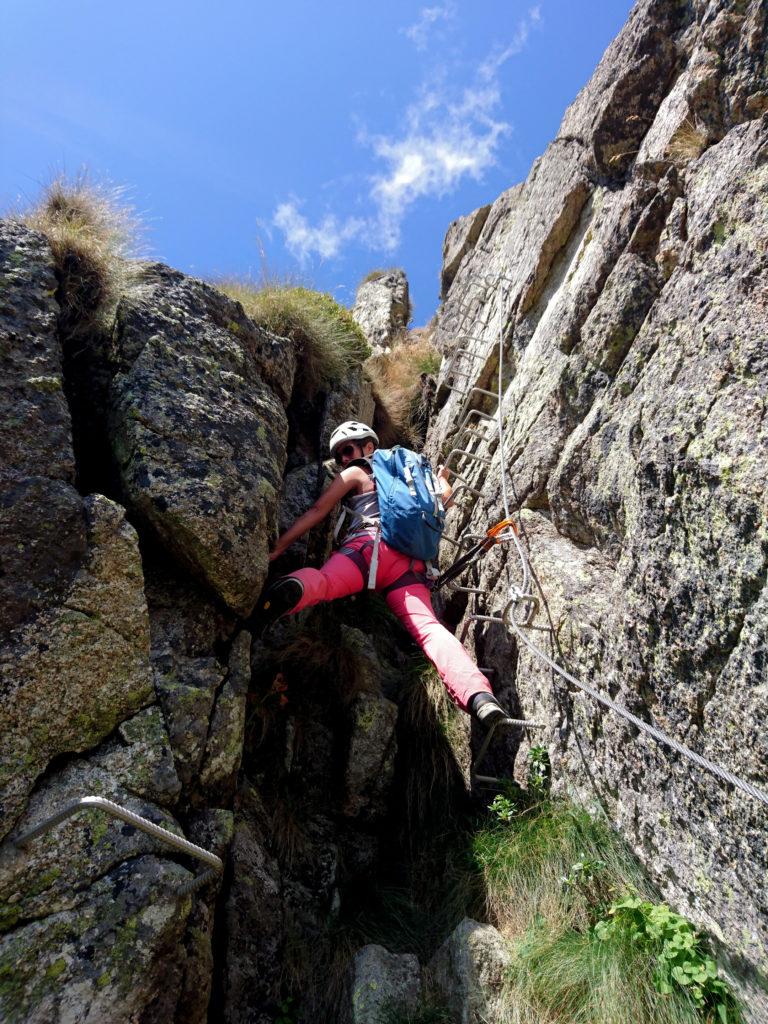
[322,140]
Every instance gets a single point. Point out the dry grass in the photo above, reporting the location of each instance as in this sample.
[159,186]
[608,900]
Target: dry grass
[329,341]
[396,382]
[688,142]
[92,233]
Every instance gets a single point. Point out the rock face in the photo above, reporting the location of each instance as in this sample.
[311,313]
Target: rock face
[633,271]
[383,308]
[125,666]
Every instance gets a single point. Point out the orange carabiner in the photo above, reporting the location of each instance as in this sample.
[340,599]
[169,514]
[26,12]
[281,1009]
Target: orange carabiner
[497,529]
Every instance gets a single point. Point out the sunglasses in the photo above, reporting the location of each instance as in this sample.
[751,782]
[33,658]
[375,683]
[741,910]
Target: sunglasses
[346,451]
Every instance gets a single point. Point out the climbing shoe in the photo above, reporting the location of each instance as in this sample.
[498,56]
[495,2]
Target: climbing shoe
[487,709]
[278,599]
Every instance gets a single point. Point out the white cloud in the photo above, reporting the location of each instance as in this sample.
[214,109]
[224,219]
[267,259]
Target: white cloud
[420,31]
[325,240]
[446,138]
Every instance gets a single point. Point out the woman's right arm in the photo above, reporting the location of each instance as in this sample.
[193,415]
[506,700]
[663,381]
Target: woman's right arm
[346,481]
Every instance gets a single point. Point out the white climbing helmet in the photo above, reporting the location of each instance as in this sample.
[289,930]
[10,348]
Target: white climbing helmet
[351,431]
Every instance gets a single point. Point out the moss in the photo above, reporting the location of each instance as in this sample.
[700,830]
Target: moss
[43,882]
[9,915]
[366,719]
[718,232]
[56,969]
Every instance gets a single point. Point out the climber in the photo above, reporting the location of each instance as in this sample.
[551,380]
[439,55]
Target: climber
[399,578]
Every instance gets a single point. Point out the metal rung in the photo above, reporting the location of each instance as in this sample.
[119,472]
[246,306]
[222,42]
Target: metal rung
[486,671]
[469,455]
[471,590]
[467,486]
[450,372]
[101,804]
[505,723]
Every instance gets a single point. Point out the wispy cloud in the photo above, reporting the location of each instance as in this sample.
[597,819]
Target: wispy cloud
[448,136]
[419,33]
[325,240]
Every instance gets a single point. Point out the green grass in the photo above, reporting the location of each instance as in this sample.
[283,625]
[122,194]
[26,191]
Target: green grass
[329,341]
[524,862]
[573,977]
[554,878]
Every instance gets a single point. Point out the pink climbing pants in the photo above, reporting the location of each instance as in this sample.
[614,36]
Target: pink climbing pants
[411,603]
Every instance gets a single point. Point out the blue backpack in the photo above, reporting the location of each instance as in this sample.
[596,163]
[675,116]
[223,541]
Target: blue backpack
[412,512]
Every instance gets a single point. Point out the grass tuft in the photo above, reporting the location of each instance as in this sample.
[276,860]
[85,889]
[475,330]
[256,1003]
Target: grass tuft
[92,233]
[688,142]
[396,380]
[573,977]
[525,864]
[329,341]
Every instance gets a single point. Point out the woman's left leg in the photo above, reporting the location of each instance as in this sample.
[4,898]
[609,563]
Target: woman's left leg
[462,678]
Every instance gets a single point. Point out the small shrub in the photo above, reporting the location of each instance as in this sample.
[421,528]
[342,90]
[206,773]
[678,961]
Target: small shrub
[328,339]
[92,232]
[504,808]
[538,771]
[376,274]
[677,951]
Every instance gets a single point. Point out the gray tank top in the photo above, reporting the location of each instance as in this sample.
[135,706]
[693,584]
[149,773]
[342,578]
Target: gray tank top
[361,505]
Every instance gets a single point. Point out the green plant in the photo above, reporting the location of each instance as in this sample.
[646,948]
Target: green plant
[286,1011]
[329,341]
[504,808]
[538,771]
[583,872]
[680,955]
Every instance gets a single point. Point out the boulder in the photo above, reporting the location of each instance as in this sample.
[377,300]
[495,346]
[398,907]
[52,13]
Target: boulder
[198,433]
[380,980]
[42,526]
[224,746]
[371,756]
[383,308]
[468,972]
[48,875]
[115,956]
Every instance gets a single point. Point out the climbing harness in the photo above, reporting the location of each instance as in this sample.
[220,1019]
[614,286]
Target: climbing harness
[522,604]
[215,864]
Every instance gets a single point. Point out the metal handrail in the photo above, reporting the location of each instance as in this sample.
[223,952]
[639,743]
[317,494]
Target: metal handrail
[100,803]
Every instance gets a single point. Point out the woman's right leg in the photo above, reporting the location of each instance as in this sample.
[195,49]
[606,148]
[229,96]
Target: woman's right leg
[337,578]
